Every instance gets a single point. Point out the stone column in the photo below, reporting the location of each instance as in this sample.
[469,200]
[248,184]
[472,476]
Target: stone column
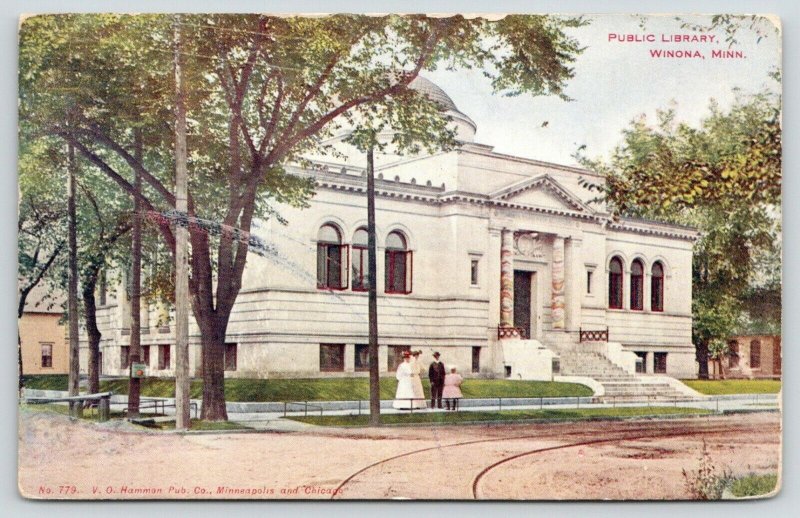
[557,274]
[506,278]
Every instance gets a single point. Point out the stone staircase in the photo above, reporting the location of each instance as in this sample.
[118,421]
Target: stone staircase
[619,385]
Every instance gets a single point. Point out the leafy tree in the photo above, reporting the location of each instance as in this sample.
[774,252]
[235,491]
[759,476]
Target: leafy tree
[724,178]
[263,91]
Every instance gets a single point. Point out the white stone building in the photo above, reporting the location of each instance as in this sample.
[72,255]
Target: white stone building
[500,263]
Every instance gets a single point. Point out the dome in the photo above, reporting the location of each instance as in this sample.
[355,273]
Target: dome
[465,127]
[433,92]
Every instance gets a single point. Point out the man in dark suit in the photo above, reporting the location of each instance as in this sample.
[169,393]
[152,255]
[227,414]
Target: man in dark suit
[436,374]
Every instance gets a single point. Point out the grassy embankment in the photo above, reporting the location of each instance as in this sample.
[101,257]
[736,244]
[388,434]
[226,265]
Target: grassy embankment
[726,387]
[321,389]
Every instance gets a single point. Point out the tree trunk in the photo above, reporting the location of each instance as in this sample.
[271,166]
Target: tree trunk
[701,353]
[72,290]
[212,339]
[93,333]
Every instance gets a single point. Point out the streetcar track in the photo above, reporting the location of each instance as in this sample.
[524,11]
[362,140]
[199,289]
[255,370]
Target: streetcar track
[707,430]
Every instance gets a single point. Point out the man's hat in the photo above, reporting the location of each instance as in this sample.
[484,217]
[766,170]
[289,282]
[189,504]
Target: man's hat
[436,354]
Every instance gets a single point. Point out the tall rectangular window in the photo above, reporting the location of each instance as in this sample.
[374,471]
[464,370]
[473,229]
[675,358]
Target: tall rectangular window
[473,272]
[476,359]
[47,355]
[230,357]
[332,257]
[164,357]
[124,357]
[641,362]
[755,354]
[589,281]
[399,264]
[331,357]
[660,363]
[146,354]
[360,261]
[361,362]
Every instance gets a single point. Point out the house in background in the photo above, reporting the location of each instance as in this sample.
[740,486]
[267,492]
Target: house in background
[750,356]
[43,334]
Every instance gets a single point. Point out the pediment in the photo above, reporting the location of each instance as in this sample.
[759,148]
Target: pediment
[541,191]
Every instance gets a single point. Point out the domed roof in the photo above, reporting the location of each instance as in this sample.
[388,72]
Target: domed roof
[465,127]
[430,89]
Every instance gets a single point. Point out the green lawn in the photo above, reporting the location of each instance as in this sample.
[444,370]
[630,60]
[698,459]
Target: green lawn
[723,387]
[754,485]
[505,415]
[322,389]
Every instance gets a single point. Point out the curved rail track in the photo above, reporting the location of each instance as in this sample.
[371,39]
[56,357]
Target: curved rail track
[633,434]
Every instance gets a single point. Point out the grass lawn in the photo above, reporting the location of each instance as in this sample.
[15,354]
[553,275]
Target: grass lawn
[321,389]
[754,485]
[504,415]
[723,387]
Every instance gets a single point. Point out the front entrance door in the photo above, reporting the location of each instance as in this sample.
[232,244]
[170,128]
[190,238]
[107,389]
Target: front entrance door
[522,301]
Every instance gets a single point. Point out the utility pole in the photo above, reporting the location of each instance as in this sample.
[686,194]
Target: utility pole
[182,417]
[372,268]
[134,382]
[76,408]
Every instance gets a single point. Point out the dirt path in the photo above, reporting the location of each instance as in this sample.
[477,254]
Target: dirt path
[59,458]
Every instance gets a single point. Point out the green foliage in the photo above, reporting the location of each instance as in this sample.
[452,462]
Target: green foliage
[754,485]
[505,415]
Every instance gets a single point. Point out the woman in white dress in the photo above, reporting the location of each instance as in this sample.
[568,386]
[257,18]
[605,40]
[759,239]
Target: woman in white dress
[405,387]
[419,394]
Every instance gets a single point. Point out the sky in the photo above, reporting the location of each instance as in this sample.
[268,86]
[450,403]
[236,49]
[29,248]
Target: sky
[615,82]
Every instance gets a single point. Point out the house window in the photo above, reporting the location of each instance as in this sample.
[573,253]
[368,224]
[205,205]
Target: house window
[641,362]
[360,260]
[589,282]
[163,357]
[47,355]
[124,357]
[637,285]
[331,259]
[473,272]
[755,354]
[331,357]
[146,354]
[733,354]
[230,357]
[660,363]
[657,288]
[103,288]
[476,359]
[399,265]
[615,283]
[396,355]
[361,362]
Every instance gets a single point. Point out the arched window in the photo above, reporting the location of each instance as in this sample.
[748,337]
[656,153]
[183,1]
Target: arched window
[755,354]
[331,259]
[399,265]
[615,283]
[360,261]
[657,287]
[637,285]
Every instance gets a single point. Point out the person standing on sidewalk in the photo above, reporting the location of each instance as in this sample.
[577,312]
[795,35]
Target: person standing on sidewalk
[452,389]
[436,374]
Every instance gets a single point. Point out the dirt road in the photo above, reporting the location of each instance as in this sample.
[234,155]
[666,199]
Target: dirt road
[60,458]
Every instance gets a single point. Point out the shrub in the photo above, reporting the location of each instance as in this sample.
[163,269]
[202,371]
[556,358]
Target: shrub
[708,482]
